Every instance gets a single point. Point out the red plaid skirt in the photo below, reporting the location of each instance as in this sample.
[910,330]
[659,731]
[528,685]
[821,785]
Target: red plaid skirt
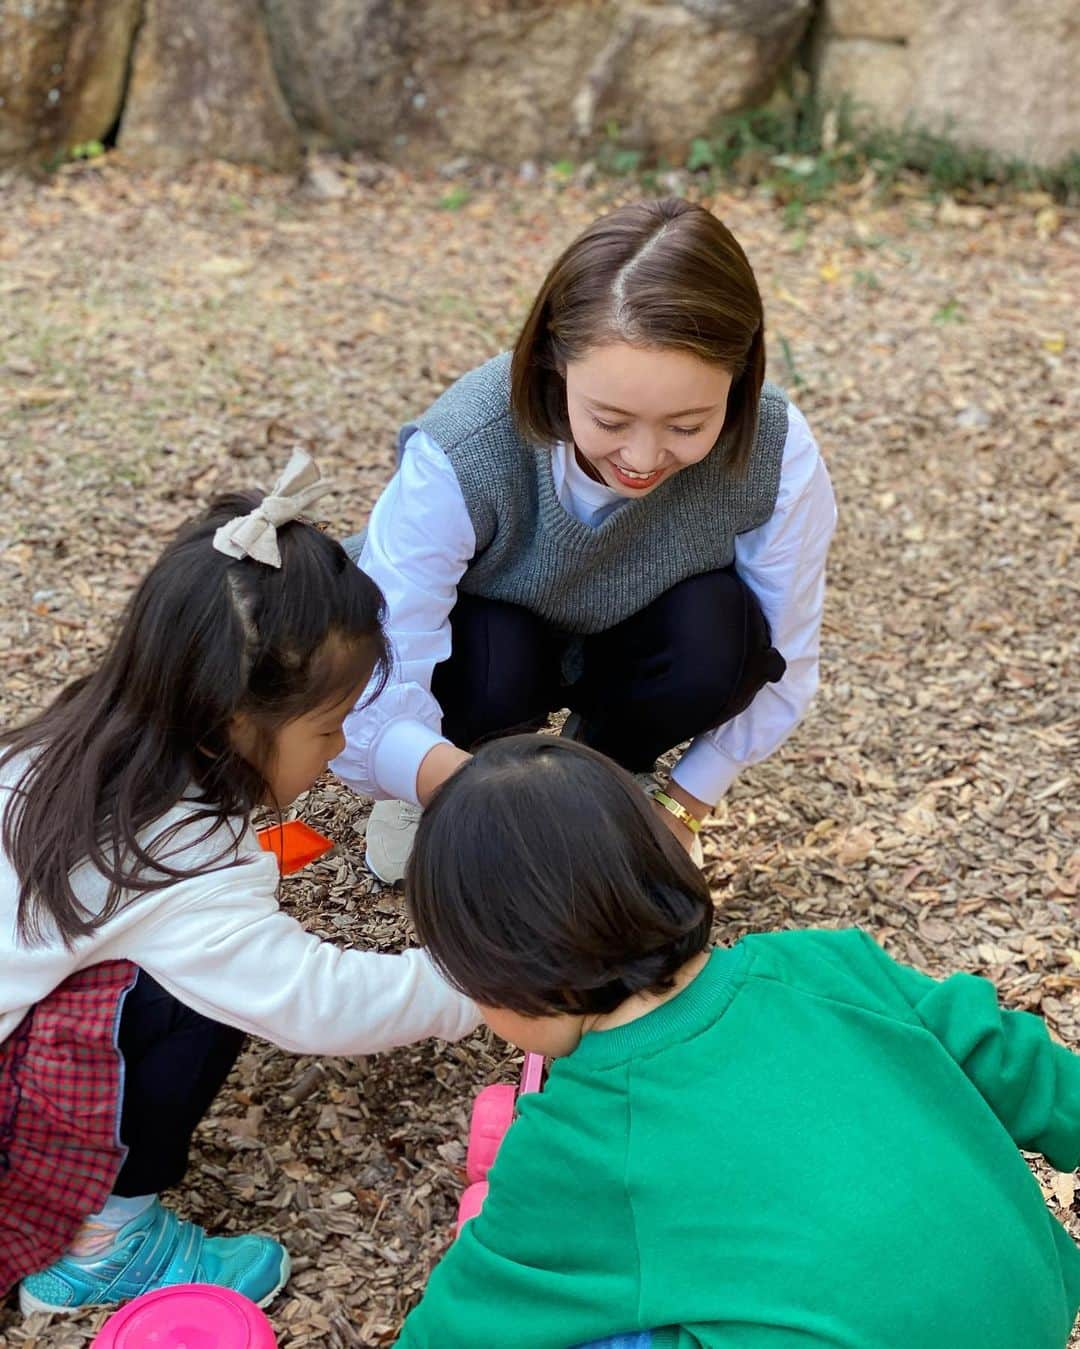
[61,1084]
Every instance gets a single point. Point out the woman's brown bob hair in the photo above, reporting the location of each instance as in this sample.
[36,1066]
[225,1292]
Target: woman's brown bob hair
[664,274]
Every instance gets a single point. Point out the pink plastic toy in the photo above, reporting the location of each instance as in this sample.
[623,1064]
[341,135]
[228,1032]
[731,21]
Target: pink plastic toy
[188,1316]
[492,1115]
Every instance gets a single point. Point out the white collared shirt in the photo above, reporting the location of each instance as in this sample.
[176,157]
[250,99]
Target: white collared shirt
[420,541]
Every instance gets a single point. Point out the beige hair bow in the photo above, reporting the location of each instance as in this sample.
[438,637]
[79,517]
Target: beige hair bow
[255,535]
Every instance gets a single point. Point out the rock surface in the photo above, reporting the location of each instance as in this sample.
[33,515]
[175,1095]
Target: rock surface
[510,82]
[429,82]
[999,74]
[203,85]
[887,20]
[63,66]
[875,76]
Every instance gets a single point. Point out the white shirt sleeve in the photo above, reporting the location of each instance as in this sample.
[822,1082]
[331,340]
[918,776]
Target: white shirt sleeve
[419,541]
[783,562]
[221,944]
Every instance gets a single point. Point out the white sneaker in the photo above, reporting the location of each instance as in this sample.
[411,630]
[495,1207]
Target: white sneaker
[391,829]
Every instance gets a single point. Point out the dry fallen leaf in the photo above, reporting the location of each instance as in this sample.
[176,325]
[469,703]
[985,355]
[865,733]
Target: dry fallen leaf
[854,845]
[1063,1187]
[225,266]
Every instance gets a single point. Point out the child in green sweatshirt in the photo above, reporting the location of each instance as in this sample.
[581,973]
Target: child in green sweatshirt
[788,1143]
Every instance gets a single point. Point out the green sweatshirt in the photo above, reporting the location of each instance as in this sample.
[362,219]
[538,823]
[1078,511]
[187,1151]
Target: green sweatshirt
[808,1145]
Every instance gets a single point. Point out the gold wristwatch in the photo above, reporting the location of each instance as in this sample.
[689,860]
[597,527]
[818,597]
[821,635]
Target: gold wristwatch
[675,808]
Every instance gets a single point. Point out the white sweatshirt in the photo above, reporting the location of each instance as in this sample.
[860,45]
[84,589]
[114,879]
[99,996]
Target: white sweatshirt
[221,944]
[420,540]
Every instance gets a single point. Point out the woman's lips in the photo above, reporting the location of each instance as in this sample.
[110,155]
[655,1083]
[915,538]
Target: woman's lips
[635,481]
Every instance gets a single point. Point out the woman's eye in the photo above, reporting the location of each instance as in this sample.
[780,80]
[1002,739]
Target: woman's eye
[687,430]
[609,426]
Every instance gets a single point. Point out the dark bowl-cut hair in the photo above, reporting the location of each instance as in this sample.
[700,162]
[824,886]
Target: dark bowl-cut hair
[662,274]
[541,882]
[204,638]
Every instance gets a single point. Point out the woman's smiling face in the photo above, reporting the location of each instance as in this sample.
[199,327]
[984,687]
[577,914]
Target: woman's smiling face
[639,415]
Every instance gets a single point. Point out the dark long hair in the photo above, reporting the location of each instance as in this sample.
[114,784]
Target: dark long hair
[204,637]
[665,274]
[541,882]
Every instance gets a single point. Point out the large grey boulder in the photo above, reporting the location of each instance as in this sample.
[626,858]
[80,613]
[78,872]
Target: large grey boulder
[1003,75]
[63,64]
[425,81]
[436,79]
[203,86]
[876,77]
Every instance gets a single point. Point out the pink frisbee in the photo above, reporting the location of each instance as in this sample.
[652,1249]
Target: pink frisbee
[188,1316]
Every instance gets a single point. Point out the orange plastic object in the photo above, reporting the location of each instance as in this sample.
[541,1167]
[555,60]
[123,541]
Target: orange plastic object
[294,843]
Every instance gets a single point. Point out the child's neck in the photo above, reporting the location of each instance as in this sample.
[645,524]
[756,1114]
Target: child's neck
[641,1004]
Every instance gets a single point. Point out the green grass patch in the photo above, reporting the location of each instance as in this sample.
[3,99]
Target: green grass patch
[802,150]
[455,199]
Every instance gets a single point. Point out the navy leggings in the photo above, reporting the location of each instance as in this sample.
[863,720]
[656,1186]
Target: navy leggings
[175,1061]
[690,660]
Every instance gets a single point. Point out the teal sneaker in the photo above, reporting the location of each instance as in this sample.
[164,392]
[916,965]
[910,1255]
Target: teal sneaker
[154,1250]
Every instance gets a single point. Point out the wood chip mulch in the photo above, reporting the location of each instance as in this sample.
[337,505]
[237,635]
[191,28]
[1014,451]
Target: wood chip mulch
[161,339]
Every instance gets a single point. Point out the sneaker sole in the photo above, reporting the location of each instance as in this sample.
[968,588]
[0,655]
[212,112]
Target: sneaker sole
[30,1305]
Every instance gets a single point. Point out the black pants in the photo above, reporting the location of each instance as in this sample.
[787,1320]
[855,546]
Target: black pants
[689,661]
[175,1061]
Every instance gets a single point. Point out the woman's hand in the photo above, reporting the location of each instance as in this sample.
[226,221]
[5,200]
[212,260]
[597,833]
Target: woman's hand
[439,763]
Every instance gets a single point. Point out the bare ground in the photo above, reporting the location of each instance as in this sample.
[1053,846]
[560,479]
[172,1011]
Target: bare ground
[162,339]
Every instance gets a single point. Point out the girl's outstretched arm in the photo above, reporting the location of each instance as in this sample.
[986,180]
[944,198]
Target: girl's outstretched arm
[221,945]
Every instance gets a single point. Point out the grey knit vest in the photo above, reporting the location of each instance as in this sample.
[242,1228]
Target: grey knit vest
[530,551]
